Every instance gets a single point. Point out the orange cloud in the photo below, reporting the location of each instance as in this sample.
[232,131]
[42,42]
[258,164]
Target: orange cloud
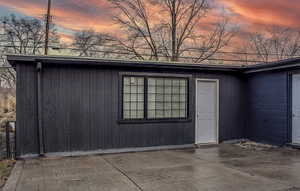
[28,8]
[266,12]
[66,38]
[73,14]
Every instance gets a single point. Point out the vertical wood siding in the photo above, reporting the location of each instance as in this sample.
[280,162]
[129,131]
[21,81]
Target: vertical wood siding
[267,118]
[80,111]
[27,131]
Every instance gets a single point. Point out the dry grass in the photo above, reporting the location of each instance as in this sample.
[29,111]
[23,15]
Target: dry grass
[5,169]
[7,109]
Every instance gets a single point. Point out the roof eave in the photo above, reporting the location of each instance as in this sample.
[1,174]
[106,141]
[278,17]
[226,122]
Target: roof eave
[119,63]
[280,65]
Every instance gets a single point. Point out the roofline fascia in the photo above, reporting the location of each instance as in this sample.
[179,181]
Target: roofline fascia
[246,69]
[271,68]
[136,65]
[126,63]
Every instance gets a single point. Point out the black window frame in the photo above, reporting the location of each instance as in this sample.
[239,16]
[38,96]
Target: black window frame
[146,76]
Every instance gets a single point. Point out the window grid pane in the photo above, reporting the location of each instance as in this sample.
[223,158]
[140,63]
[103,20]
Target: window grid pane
[133,97]
[167,98]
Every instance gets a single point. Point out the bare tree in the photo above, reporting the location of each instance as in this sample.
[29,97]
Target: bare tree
[276,43]
[243,52]
[7,106]
[26,35]
[175,34]
[7,77]
[89,43]
[7,74]
[22,35]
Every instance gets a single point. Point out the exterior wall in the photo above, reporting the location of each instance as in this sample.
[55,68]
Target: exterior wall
[267,103]
[26,132]
[80,111]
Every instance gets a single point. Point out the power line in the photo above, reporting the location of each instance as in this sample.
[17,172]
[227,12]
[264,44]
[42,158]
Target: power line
[188,49]
[112,46]
[161,56]
[144,54]
[193,50]
[163,49]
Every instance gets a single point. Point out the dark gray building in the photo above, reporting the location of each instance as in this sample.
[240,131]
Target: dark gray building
[79,105]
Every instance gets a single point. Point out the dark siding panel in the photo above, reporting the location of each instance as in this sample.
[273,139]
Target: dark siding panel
[96,112]
[114,110]
[232,102]
[27,141]
[268,107]
[108,104]
[79,109]
[66,107]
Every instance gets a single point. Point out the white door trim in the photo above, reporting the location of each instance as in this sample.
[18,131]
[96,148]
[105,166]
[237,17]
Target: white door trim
[294,136]
[217,106]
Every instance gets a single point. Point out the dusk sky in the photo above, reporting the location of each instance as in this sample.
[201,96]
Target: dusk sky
[72,15]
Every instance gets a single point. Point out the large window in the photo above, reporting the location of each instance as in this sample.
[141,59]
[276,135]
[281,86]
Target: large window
[154,97]
[167,98]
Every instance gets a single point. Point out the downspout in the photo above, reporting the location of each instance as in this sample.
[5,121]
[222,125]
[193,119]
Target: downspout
[39,113]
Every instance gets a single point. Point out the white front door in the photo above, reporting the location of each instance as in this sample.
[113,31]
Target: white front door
[206,112]
[296,109]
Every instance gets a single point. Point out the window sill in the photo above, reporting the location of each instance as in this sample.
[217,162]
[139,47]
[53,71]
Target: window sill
[143,121]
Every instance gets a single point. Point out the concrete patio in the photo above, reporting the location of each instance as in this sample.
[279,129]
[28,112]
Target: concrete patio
[224,167]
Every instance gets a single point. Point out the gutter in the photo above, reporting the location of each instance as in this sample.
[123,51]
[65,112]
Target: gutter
[41,142]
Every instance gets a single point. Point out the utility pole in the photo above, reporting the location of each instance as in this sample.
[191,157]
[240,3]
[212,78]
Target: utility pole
[48,18]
